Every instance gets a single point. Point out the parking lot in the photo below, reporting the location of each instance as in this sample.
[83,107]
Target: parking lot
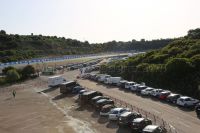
[85,119]
[180,119]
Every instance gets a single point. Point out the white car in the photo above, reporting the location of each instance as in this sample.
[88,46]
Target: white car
[129,84]
[116,112]
[134,87]
[186,101]
[156,92]
[147,91]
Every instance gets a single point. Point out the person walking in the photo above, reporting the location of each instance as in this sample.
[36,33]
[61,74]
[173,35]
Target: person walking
[14,93]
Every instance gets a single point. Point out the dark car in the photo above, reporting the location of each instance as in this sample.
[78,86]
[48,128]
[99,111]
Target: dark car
[96,98]
[100,103]
[126,118]
[172,98]
[87,96]
[163,95]
[197,109]
[77,89]
[138,124]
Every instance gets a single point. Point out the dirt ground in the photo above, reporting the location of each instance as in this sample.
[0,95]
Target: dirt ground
[39,109]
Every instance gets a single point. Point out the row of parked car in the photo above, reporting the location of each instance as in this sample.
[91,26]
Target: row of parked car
[143,90]
[75,66]
[106,107]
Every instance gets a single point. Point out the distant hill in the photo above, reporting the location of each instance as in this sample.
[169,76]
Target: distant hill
[20,47]
[175,67]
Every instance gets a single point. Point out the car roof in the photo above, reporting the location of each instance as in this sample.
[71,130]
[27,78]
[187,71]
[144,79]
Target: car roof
[82,90]
[184,97]
[96,97]
[126,114]
[165,92]
[130,82]
[150,128]
[108,106]
[137,120]
[117,109]
[89,92]
[101,100]
[173,94]
[149,88]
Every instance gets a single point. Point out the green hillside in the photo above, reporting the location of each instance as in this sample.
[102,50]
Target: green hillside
[175,67]
[19,47]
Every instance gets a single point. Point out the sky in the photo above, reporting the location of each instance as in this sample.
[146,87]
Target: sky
[100,20]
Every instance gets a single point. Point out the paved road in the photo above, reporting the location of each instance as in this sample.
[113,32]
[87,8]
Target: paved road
[184,121]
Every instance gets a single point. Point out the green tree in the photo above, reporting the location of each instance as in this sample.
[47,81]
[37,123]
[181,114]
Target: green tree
[6,69]
[28,71]
[12,76]
[178,67]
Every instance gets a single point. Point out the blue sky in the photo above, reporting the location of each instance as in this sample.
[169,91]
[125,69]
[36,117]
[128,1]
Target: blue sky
[101,20]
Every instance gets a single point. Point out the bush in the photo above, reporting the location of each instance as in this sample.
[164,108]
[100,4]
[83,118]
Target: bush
[6,69]
[28,71]
[12,76]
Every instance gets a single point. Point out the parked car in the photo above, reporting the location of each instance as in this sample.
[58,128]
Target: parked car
[77,89]
[197,109]
[82,91]
[172,98]
[140,88]
[156,92]
[163,95]
[153,129]
[134,87]
[186,101]
[103,77]
[100,103]
[126,118]
[113,80]
[128,85]
[56,80]
[67,87]
[105,110]
[96,98]
[122,83]
[116,112]
[139,123]
[147,91]
[87,96]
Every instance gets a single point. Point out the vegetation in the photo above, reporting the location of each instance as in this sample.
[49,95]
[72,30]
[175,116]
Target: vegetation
[20,47]
[13,75]
[175,67]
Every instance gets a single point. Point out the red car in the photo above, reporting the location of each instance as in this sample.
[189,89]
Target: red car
[163,95]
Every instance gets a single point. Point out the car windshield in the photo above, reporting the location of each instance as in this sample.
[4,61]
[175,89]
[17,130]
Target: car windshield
[114,112]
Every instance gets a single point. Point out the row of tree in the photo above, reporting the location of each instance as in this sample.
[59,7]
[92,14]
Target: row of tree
[20,47]
[13,75]
[175,67]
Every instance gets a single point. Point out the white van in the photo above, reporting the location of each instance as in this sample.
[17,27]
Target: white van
[102,78]
[55,81]
[129,84]
[113,80]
